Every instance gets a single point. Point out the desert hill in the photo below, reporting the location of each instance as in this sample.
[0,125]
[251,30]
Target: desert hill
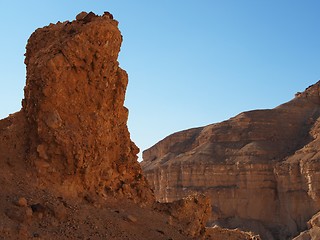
[259,168]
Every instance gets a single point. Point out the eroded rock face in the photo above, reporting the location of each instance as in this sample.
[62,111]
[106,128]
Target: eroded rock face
[191,212]
[260,168]
[74,96]
[313,232]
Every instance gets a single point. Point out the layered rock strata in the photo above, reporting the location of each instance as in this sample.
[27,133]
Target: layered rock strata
[260,168]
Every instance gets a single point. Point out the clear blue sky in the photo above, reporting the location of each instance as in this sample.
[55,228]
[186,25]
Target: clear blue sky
[190,62]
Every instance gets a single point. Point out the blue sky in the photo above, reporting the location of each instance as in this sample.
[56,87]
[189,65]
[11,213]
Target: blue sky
[190,62]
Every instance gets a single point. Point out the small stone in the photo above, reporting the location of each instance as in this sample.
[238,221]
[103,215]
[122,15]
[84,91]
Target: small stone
[53,119]
[41,149]
[89,17]
[109,15]
[131,218]
[22,202]
[81,15]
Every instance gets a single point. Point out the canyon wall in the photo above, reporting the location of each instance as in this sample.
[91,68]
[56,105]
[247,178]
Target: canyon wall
[260,168]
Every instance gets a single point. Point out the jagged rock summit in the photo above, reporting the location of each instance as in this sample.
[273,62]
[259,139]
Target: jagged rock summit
[67,164]
[260,168]
[78,138]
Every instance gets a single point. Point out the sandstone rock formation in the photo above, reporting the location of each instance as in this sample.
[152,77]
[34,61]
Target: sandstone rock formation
[74,96]
[68,169]
[260,168]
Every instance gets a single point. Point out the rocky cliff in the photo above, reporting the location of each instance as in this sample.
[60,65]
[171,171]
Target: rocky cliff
[74,96]
[260,168]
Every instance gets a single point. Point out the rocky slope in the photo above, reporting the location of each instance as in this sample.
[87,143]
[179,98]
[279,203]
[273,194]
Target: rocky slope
[260,168]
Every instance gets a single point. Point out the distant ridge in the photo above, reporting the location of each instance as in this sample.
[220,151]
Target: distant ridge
[259,168]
